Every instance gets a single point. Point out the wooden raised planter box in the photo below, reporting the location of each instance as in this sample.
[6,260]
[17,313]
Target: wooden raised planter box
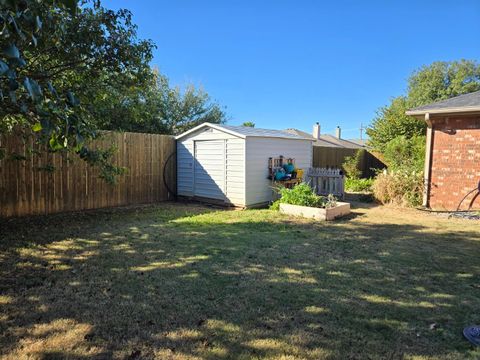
[340,210]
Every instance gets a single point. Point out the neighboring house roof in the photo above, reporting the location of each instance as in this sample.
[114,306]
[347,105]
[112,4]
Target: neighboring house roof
[361,142]
[458,104]
[327,140]
[246,131]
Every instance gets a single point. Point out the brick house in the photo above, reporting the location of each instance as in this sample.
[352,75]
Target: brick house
[452,159]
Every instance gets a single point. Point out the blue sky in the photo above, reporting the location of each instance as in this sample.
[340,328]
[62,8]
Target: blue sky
[286,63]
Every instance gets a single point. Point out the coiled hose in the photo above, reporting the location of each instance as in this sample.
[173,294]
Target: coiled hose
[165,182]
[477,189]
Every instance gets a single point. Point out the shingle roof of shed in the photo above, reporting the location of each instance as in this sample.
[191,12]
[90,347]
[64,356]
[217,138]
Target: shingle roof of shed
[461,103]
[251,131]
[246,131]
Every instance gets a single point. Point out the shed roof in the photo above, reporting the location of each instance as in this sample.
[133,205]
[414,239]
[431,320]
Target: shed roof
[459,104]
[246,131]
[327,140]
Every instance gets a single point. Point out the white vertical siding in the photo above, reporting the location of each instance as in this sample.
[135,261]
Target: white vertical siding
[235,170]
[232,155]
[258,150]
[209,169]
[185,167]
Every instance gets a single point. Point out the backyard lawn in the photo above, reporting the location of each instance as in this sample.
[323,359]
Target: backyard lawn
[179,281]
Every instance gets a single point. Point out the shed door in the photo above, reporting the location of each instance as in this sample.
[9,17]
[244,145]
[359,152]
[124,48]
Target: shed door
[209,172]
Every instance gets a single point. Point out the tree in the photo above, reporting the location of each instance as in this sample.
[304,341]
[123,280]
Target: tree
[159,108]
[351,164]
[249,124]
[391,122]
[442,80]
[402,153]
[438,81]
[56,60]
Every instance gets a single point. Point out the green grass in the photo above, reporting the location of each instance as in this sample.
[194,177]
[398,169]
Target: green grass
[188,282]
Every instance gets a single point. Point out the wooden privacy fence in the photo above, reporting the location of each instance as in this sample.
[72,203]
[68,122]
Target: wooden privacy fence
[329,157]
[33,181]
[326,181]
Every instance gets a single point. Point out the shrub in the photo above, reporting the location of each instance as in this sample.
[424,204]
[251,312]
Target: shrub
[405,153]
[303,195]
[400,187]
[358,185]
[351,165]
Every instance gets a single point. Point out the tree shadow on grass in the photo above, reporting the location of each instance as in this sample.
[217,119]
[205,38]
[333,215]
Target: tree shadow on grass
[177,282]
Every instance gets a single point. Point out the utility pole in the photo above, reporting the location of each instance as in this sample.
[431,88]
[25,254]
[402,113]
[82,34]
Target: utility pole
[361,131]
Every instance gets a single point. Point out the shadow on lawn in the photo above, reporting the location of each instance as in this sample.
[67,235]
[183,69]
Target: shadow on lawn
[162,283]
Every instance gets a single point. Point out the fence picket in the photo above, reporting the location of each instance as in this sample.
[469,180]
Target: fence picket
[29,190]
[326,181]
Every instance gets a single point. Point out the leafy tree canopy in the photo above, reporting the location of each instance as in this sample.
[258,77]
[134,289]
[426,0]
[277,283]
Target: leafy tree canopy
[248,124]
[56,58]
[402,153]
[70,68]
[158,108]
[438,81]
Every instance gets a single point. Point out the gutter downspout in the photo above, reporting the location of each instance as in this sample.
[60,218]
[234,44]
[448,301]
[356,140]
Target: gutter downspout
[428,161]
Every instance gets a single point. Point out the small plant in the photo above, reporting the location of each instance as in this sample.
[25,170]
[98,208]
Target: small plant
[331,201]
[358,185]
[303,195]
[275,205]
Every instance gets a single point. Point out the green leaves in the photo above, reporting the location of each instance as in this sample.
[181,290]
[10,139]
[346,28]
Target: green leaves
[437,81]
[301,194]
[11,52]
[37,127]
[33,89]
[52,90]
[71,5]
[3,67]
[73,101]
[405,153]
[38,24]
[55,57]
[12,84]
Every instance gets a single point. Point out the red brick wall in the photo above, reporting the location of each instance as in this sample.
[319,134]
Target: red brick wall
[455,166]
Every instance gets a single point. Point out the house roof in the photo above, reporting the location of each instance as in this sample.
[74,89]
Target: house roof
[327,140]
[246,131]
[361,142]
[459,104]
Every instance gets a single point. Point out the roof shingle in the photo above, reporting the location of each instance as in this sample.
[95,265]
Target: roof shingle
[251,131]
[459,103]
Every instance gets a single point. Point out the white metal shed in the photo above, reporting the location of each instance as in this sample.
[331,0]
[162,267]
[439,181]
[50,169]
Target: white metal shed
[229,164]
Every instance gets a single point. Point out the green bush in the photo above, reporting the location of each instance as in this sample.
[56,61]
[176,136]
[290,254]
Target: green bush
[358,185]
[400,187]
[303,195]
[351,165]
[403,153]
